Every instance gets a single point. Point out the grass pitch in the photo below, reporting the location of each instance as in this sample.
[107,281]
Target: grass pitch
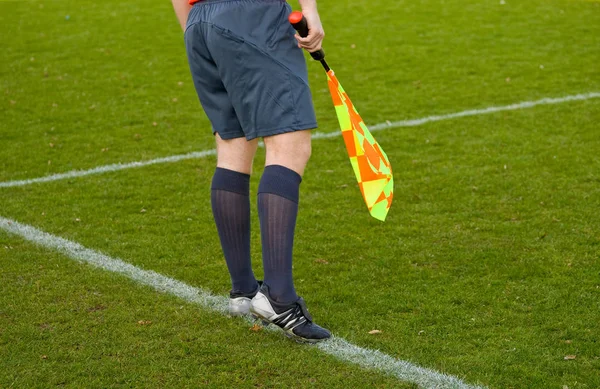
[487,268]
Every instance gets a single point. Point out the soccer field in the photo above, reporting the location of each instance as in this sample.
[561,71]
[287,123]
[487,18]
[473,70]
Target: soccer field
[485,274]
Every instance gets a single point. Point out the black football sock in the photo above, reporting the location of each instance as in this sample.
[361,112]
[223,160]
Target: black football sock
[230,199]
[278,196]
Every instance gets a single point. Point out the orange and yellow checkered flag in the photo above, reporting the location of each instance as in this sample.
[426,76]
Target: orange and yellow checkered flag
[370,163]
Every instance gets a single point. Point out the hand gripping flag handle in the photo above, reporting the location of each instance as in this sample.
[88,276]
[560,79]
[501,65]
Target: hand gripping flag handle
[298,21]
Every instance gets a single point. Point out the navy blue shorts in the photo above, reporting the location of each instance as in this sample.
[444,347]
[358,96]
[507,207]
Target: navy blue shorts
[248,71]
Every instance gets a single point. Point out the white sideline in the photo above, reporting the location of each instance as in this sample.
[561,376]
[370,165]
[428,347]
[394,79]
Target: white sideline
[108,168]
[337,347]
[316,135]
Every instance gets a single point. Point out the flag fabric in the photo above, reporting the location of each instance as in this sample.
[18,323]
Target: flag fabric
[370,163]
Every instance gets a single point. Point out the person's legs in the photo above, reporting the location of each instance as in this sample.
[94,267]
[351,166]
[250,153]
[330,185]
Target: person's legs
[231,208]
[253,82]
[278,196]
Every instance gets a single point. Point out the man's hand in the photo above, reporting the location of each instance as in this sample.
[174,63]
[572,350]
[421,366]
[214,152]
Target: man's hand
[316,34]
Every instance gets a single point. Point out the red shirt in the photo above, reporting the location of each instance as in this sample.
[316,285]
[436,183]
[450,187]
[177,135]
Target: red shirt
[192,2]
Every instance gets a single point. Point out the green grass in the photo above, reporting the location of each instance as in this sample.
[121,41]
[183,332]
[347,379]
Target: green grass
[487,268]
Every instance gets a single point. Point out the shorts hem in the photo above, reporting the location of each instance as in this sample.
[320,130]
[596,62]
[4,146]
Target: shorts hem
[232,135]
[282,130]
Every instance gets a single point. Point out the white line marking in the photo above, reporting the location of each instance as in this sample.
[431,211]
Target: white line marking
[472,112]
[337,347]
[108,168]
[316,135]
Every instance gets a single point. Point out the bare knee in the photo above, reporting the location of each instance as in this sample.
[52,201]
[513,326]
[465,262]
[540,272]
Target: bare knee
[302,152]
[291,150]
[236,154]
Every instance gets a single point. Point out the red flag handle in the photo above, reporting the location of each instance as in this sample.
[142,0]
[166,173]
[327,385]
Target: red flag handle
[298,21]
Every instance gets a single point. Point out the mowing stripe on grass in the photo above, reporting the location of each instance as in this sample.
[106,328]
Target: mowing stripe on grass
[337,347]
[316,135]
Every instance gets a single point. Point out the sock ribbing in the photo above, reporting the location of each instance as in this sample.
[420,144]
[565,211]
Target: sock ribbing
[230,200]
[278,197]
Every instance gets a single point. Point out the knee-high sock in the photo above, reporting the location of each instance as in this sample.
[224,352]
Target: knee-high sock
[278,196]
[230,199]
